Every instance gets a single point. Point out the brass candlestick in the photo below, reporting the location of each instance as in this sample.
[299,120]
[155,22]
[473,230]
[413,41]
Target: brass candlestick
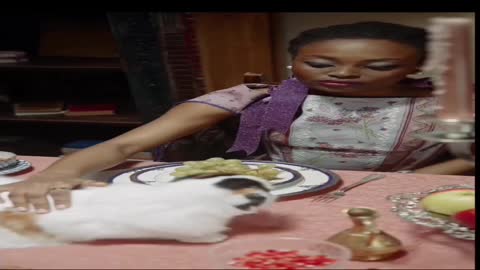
[365,240]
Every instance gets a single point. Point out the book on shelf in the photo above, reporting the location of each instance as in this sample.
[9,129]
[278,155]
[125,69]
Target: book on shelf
[91,110]
[40,108]
[40,113]
[13,57]
[13,60]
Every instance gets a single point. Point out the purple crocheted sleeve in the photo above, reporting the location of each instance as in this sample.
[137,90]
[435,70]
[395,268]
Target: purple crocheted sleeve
[233,99]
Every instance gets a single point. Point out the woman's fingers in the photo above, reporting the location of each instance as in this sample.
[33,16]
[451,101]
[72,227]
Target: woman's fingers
[61,198]
[34,193]
[24,194]
[61,193]
[19,201]
[38,199]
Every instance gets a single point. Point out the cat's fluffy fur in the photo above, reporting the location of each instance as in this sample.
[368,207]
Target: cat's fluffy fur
[188,211]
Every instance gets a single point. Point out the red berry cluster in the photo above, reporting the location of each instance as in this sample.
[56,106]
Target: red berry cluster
[274,259]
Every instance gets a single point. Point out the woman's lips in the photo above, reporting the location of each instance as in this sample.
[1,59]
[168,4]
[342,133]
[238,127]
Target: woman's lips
[337,84]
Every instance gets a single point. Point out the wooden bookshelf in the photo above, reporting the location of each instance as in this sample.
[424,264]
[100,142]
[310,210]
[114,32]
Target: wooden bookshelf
[65,63]
[126,120]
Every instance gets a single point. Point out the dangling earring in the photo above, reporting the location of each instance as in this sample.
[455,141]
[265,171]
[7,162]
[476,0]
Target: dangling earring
[289,72]
[418,75]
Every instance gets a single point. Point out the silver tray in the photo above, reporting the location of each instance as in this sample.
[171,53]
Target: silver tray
[407,206]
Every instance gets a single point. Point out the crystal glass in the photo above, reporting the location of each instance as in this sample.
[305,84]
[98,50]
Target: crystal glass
[407,206]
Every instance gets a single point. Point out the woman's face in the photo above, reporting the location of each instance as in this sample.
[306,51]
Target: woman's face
[354,66]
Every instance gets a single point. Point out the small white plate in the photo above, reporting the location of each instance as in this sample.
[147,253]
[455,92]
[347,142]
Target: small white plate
[20,166]
[294,179]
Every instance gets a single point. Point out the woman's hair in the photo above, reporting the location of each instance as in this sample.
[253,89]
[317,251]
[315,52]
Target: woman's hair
[413,36]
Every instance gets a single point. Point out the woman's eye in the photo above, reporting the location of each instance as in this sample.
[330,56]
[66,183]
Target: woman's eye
[319,65]
[383,68]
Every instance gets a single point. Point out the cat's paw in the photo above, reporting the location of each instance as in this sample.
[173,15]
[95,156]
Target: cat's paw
[205,239]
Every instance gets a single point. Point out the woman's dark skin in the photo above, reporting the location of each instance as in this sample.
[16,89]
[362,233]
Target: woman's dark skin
[374,67]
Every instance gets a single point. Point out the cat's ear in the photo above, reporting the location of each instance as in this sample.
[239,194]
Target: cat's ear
[243,182]
[255,200]
[254,189]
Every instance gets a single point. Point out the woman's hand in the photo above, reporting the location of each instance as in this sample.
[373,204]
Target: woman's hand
[34,191]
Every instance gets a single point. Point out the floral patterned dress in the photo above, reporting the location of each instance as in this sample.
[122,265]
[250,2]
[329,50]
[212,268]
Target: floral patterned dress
[345,133]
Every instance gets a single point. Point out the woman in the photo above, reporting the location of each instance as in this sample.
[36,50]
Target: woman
[350,106]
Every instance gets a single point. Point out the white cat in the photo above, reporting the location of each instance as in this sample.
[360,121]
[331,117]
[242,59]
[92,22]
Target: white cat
[193,210]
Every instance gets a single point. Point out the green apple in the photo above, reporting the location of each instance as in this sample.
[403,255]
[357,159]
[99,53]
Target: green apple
[449,202]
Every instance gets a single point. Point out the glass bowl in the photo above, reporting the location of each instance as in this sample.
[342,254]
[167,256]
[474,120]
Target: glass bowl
[223,255]
[407,206]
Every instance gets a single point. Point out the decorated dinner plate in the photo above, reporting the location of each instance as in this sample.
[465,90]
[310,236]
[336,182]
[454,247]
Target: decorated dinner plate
[17,167]
[293,179]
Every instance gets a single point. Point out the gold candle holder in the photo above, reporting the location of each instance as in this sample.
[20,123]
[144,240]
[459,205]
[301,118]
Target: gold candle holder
[365,240]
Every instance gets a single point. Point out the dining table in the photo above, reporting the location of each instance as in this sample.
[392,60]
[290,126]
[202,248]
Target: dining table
[425,248]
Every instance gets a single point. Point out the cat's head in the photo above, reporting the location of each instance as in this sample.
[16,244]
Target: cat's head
[255,190]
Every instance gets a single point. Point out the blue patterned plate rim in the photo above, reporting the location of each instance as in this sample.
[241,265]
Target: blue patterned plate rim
[333,178]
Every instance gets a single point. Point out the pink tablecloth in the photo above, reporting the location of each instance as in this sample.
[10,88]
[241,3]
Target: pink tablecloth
[427,249]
